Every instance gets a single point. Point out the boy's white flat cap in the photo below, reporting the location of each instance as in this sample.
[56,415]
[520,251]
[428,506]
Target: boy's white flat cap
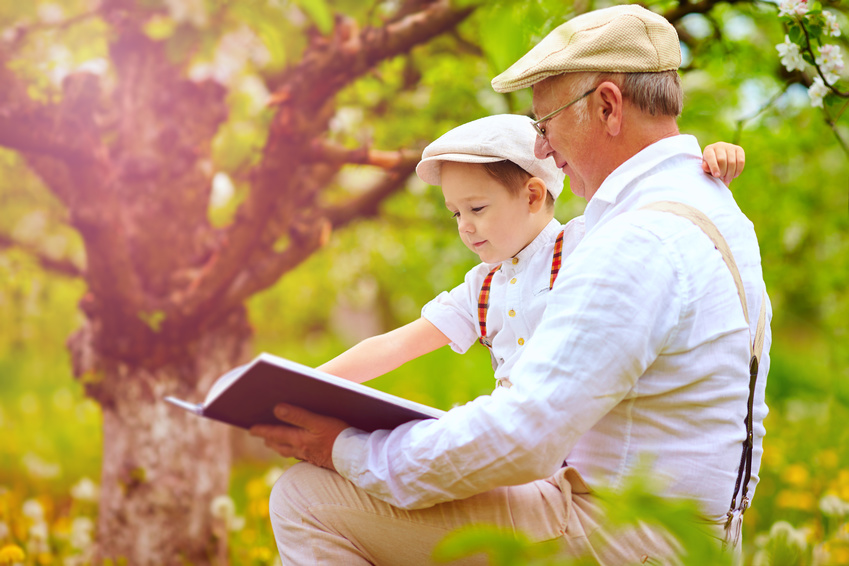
[503,137]
[619,39]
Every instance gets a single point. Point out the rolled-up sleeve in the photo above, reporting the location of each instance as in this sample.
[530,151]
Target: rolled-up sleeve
[454,312]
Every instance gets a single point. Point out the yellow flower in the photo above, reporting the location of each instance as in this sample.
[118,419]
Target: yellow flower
[828,459]
[842,484]
[257,489]
[796,475]
[11,553]
[789,499]
[261,553]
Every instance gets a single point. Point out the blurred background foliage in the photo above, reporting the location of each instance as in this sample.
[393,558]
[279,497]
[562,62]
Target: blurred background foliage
[376,275]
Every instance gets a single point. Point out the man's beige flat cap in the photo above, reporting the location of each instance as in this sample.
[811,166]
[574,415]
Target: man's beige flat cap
[620,39]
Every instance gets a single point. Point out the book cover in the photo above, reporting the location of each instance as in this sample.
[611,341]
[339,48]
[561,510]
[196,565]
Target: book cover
[246,396]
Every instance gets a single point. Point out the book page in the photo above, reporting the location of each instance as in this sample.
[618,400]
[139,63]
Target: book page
[223,382]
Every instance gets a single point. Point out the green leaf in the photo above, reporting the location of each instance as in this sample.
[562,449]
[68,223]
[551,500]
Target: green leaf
[815,31]
[795,34]
[153,319]
[159,27]
[319,13]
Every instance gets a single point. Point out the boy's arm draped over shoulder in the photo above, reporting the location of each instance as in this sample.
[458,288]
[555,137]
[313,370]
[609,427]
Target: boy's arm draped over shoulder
[609,315]
[380,354]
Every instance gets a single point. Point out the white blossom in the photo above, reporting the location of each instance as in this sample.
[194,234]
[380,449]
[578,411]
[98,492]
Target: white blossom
[223,508]
[187,11]
[85,490]
[831,26]
[792,8]
[830,61]
[272,475]
[33,509]
[222,190]
[234,50]
[39,468]
[817,92]
[793,536]
[790,55]
[50,13]
[833,506]
[81,533]
[38,532]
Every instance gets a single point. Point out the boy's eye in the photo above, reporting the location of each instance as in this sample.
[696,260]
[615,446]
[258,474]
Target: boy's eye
[455,214]
[478,208]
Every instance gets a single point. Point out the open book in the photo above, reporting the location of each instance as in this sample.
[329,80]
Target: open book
[246,396]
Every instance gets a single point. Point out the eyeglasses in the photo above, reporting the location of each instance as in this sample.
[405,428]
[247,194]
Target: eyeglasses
[541,130]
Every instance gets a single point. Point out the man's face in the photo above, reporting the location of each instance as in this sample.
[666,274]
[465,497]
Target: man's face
[567,139]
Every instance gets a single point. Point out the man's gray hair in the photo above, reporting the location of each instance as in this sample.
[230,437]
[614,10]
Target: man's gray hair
[658,94]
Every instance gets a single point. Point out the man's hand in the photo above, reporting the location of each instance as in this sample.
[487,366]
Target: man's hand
[306,436]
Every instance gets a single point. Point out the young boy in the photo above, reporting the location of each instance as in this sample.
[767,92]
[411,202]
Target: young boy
[503,199]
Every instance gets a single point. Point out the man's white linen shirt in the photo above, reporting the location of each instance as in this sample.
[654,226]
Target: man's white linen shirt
[643,351]
[517,298]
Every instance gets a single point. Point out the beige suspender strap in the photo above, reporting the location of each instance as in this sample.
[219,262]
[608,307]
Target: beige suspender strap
[734,521]
[698,218]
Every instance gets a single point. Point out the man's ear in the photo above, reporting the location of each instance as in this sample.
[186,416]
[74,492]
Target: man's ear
[608,107]
[535,191]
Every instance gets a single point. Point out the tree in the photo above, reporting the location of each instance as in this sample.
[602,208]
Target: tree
[132,140]
[166,287]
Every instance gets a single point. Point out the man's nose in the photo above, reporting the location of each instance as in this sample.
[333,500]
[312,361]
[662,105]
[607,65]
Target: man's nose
[542,149]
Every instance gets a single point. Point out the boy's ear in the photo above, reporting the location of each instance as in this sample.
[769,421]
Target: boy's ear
[535,190]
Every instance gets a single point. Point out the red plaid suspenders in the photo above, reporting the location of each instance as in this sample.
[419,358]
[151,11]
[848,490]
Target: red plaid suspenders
[483,297]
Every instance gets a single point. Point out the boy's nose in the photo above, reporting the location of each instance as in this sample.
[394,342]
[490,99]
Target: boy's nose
[464,226]
[542,149]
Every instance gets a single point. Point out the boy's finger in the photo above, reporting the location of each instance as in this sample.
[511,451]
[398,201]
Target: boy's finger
[740,155]
[709,164]
[721,162]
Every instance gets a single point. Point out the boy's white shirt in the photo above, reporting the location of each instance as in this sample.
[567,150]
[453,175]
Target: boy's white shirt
[520,287]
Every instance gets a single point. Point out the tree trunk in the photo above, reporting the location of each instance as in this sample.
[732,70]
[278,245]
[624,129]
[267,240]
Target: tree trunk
[160,462]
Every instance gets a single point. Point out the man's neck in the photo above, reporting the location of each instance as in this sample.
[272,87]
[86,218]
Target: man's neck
[639,132]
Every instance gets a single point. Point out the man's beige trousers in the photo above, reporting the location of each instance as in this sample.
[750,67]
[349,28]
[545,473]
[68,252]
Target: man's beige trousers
[319,517]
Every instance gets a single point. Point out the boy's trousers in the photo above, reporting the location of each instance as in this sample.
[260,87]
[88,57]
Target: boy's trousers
[319,517]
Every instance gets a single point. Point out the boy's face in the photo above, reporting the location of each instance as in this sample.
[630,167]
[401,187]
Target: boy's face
[493,223]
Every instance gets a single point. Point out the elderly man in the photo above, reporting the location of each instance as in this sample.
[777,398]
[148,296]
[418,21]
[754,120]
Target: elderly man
[643,355]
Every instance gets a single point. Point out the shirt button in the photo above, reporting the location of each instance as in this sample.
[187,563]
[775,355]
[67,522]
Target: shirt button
[511,313]
[513,281]
[515,260]
[521,341]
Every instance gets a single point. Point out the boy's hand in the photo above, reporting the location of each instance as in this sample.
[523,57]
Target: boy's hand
[724,161]
[306,436]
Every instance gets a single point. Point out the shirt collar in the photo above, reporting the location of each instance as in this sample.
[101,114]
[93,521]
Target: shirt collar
[632,169]
[520,260]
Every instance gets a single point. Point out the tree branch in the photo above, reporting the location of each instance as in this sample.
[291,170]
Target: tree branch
[302,115]
[36,132]
[702,7]
[59,266]
[337,155]
[309,234]
[367,205]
